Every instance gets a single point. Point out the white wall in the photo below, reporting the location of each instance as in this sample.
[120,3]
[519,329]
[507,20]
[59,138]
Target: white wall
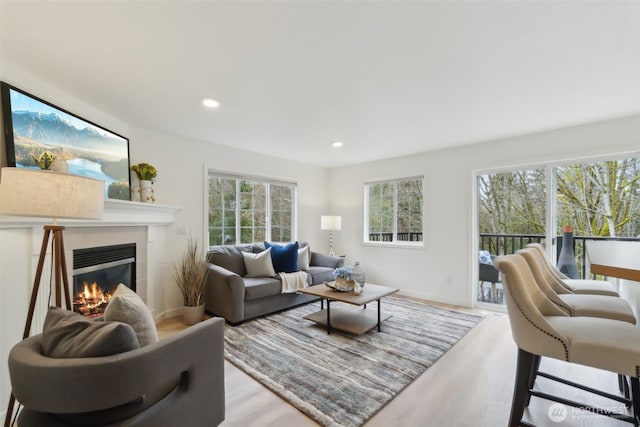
[180,163]
[443,269]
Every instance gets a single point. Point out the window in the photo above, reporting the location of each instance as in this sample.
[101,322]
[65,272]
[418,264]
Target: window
[394,211]
[247,210]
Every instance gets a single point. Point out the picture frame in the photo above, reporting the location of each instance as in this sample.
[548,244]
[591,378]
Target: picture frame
[33,126]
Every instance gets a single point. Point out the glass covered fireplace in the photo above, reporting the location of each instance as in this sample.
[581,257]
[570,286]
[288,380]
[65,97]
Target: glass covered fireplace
[97,272]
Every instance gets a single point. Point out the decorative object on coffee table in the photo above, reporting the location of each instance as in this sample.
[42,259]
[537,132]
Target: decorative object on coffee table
[343,282]
[357,273]
[190,274]
[331,223]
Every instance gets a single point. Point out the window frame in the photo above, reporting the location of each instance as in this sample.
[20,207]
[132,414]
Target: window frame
[394,242]
[253,179]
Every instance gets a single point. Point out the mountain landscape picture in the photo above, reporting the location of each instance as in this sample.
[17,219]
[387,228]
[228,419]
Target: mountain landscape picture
[88,149]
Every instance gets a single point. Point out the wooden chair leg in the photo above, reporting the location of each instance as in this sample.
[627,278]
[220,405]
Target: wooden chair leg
[535,366]
[521,394]
[635,398]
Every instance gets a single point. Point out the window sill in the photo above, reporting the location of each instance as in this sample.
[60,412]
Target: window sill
[396,245]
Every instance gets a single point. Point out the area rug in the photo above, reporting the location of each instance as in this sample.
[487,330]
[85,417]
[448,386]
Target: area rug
[340,379]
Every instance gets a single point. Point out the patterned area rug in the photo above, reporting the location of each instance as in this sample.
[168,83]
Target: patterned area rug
[340,379]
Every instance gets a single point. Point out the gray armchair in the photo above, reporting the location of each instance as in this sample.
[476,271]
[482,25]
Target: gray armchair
[178,380]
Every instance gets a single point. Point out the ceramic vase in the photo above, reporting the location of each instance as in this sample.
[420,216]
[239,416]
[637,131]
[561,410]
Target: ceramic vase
[567,259]
[192,315]
[135,188]
[146,191]
[357,273]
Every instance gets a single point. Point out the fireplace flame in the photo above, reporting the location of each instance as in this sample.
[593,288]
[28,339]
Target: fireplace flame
[91,297]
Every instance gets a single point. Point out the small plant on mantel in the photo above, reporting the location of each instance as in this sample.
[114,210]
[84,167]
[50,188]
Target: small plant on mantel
[145,171]
[190,274]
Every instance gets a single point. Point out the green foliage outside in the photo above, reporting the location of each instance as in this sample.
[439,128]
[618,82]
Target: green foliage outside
[383,212]
[242,204]
[598,199]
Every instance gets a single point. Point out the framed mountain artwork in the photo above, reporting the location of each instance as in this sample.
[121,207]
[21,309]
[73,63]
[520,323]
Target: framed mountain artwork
[34,126]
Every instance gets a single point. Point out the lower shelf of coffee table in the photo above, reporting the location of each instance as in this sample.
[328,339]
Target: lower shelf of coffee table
[353,320]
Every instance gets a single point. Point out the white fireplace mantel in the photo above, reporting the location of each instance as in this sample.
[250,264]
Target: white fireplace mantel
[116,213]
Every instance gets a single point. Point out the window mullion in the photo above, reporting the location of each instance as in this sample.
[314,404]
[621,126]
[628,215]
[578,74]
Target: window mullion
[237,211]
[395,212]
[267,212]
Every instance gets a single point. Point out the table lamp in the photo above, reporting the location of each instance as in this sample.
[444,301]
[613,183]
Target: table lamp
[331,223]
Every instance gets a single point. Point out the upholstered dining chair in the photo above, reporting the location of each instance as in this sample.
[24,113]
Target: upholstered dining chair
[564,284]
[541,328]
[608,307]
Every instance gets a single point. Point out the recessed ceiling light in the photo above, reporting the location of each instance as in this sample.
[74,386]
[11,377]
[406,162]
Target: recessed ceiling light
[210,102]
[336,144]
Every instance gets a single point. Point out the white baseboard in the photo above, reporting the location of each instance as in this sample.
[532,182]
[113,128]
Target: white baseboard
[168,314]
[434,298]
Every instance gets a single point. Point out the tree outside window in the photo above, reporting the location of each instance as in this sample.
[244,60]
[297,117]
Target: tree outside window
[394,211]
[249,210]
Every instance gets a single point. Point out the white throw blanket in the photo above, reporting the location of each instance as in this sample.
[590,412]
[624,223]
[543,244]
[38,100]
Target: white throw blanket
[292,282]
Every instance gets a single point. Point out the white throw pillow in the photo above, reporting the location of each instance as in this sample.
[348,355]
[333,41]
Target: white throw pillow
[127,307]
[259,265]
[485,257]
[304,256]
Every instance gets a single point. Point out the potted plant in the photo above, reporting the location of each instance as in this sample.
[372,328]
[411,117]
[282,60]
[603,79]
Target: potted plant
[44,160]
[190,274]
[146,173]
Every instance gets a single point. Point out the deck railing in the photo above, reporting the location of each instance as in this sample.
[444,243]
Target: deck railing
[506,244]
[402,237]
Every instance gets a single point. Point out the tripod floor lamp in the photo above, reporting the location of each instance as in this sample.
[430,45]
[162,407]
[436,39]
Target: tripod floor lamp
[331,223]
[48,194]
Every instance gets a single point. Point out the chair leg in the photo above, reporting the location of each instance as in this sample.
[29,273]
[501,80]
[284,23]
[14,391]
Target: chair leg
[635,398]
[535,366]
[524,370]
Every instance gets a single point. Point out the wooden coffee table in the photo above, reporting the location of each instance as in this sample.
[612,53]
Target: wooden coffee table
[353,321]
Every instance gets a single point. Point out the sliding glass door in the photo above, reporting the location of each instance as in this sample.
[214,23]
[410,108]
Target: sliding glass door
[598,199]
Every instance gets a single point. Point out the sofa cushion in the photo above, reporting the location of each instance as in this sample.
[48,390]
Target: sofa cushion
[126,306]
[285,258]
[320,274]
[69,335]
[304,255]
[260,287]
[259,265]
[230,257]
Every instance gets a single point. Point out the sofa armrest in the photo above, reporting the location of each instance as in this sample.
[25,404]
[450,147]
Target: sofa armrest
[224,294]
[324,260]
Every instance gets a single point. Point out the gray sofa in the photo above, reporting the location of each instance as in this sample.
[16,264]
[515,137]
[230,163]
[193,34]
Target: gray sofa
[232,295]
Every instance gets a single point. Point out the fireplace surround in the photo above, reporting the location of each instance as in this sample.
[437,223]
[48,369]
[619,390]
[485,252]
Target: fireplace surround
[97,272]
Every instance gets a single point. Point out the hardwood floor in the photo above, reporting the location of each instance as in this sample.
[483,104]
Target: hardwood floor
[470,385]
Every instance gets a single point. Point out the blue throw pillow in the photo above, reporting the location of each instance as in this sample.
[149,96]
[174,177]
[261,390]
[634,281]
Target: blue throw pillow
[284,258]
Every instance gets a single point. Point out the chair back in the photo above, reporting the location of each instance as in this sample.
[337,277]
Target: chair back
[543,277]
[527,307]
[557,282]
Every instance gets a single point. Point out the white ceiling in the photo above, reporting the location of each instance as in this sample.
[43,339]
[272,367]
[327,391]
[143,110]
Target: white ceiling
[387,78]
